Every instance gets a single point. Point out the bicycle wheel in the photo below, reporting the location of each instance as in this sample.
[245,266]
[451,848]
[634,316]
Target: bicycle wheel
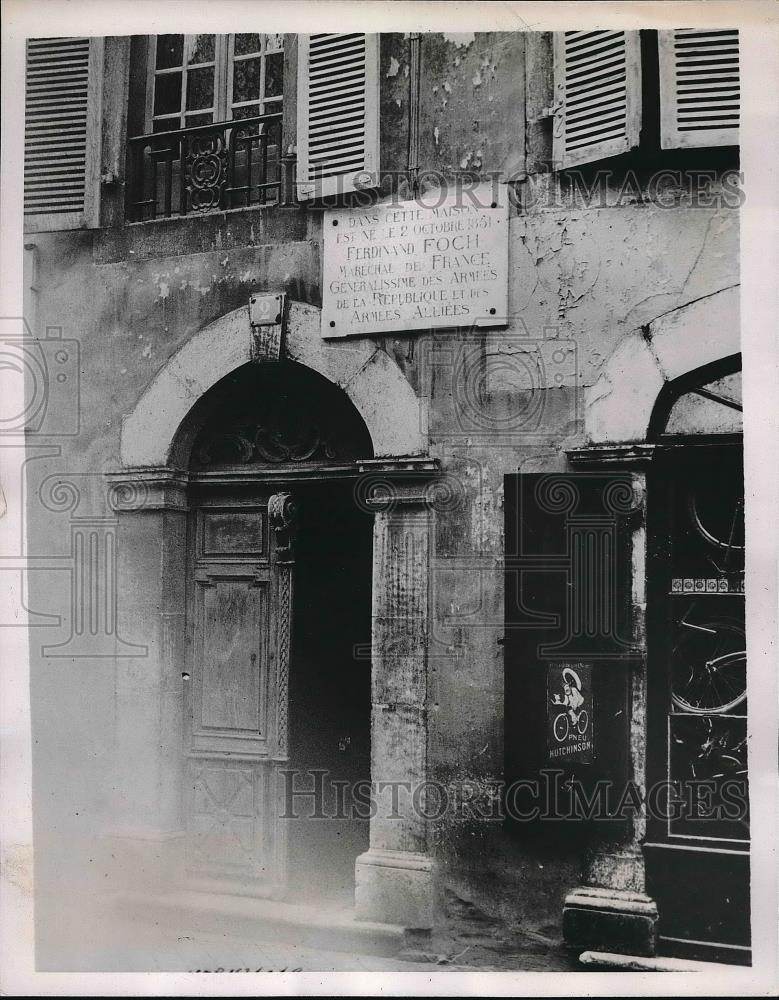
[560,727]
[719,516]
[709,669]
[581,722]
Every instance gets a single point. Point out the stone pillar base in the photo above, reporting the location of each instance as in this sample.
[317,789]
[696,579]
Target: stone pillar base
[394,887]
[611,920]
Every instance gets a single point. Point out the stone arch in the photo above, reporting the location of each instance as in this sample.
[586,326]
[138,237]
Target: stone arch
[618,407]
[375,384]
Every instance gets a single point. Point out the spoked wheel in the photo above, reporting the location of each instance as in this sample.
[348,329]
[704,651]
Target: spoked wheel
[710,669]
[561,727]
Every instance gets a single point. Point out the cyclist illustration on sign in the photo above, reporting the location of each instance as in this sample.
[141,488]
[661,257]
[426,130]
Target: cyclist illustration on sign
[572,699]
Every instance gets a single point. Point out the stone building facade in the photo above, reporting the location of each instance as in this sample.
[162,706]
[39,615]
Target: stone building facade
[257,552]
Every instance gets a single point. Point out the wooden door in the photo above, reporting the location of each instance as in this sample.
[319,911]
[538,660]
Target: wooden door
[240,615]
[697,849]
[568,621]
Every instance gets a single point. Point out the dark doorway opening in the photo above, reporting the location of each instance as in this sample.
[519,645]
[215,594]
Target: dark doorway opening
[330,693]
[697,856]
[281,566]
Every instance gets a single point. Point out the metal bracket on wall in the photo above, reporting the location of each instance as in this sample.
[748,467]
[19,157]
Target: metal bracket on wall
[267,316]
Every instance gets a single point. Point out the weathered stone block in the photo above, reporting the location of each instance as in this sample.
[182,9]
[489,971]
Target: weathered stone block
[610,920]
[394,887]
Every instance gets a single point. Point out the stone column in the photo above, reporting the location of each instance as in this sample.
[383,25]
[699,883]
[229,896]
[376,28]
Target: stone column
[394,878]
[146,834]
[611,910]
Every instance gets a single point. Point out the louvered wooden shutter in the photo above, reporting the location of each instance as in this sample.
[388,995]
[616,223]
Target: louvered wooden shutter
[338,112]
[61,129]
[699,87]
[597,95]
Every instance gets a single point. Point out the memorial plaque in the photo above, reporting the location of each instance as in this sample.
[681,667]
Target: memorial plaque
[439,261]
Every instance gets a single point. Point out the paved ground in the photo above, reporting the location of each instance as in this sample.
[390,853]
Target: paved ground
[206,953]
[84,941]
[87,945]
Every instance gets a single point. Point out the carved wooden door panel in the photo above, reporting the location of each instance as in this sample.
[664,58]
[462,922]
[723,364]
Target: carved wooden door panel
[240,610]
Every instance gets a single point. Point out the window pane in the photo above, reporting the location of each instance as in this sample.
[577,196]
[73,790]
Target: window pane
[247,111]
[167,93]
[202,49]
[274,75]
[274,43]
[166,124]
[246,80]
[170,51]
[204,118]
[200,88]
[246,43]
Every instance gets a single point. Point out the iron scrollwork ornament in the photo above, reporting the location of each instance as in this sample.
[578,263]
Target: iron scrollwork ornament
[278,414]
[205,171]
[297,441]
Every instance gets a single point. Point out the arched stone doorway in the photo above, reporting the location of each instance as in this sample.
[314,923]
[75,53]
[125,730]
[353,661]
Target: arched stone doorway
[278,625]
[697,855]
[164,456]
[619,406]
[641,398]
[368,376]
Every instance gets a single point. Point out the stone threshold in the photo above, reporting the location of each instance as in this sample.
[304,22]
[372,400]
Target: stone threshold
[637,963]
[330,928]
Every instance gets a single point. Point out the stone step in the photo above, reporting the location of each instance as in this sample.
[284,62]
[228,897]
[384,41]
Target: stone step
[189,912]
[639,963]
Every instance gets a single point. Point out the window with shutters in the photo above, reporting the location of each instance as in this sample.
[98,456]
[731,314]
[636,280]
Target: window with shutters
[699,88]
[62,132]
[213,120]
[598,97]
[338,110]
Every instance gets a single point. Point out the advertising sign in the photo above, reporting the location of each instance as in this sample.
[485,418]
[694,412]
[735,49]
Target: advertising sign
[569,712]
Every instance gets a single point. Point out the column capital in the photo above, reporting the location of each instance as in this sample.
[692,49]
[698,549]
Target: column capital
[423,489]
[398,494]
[148,488]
